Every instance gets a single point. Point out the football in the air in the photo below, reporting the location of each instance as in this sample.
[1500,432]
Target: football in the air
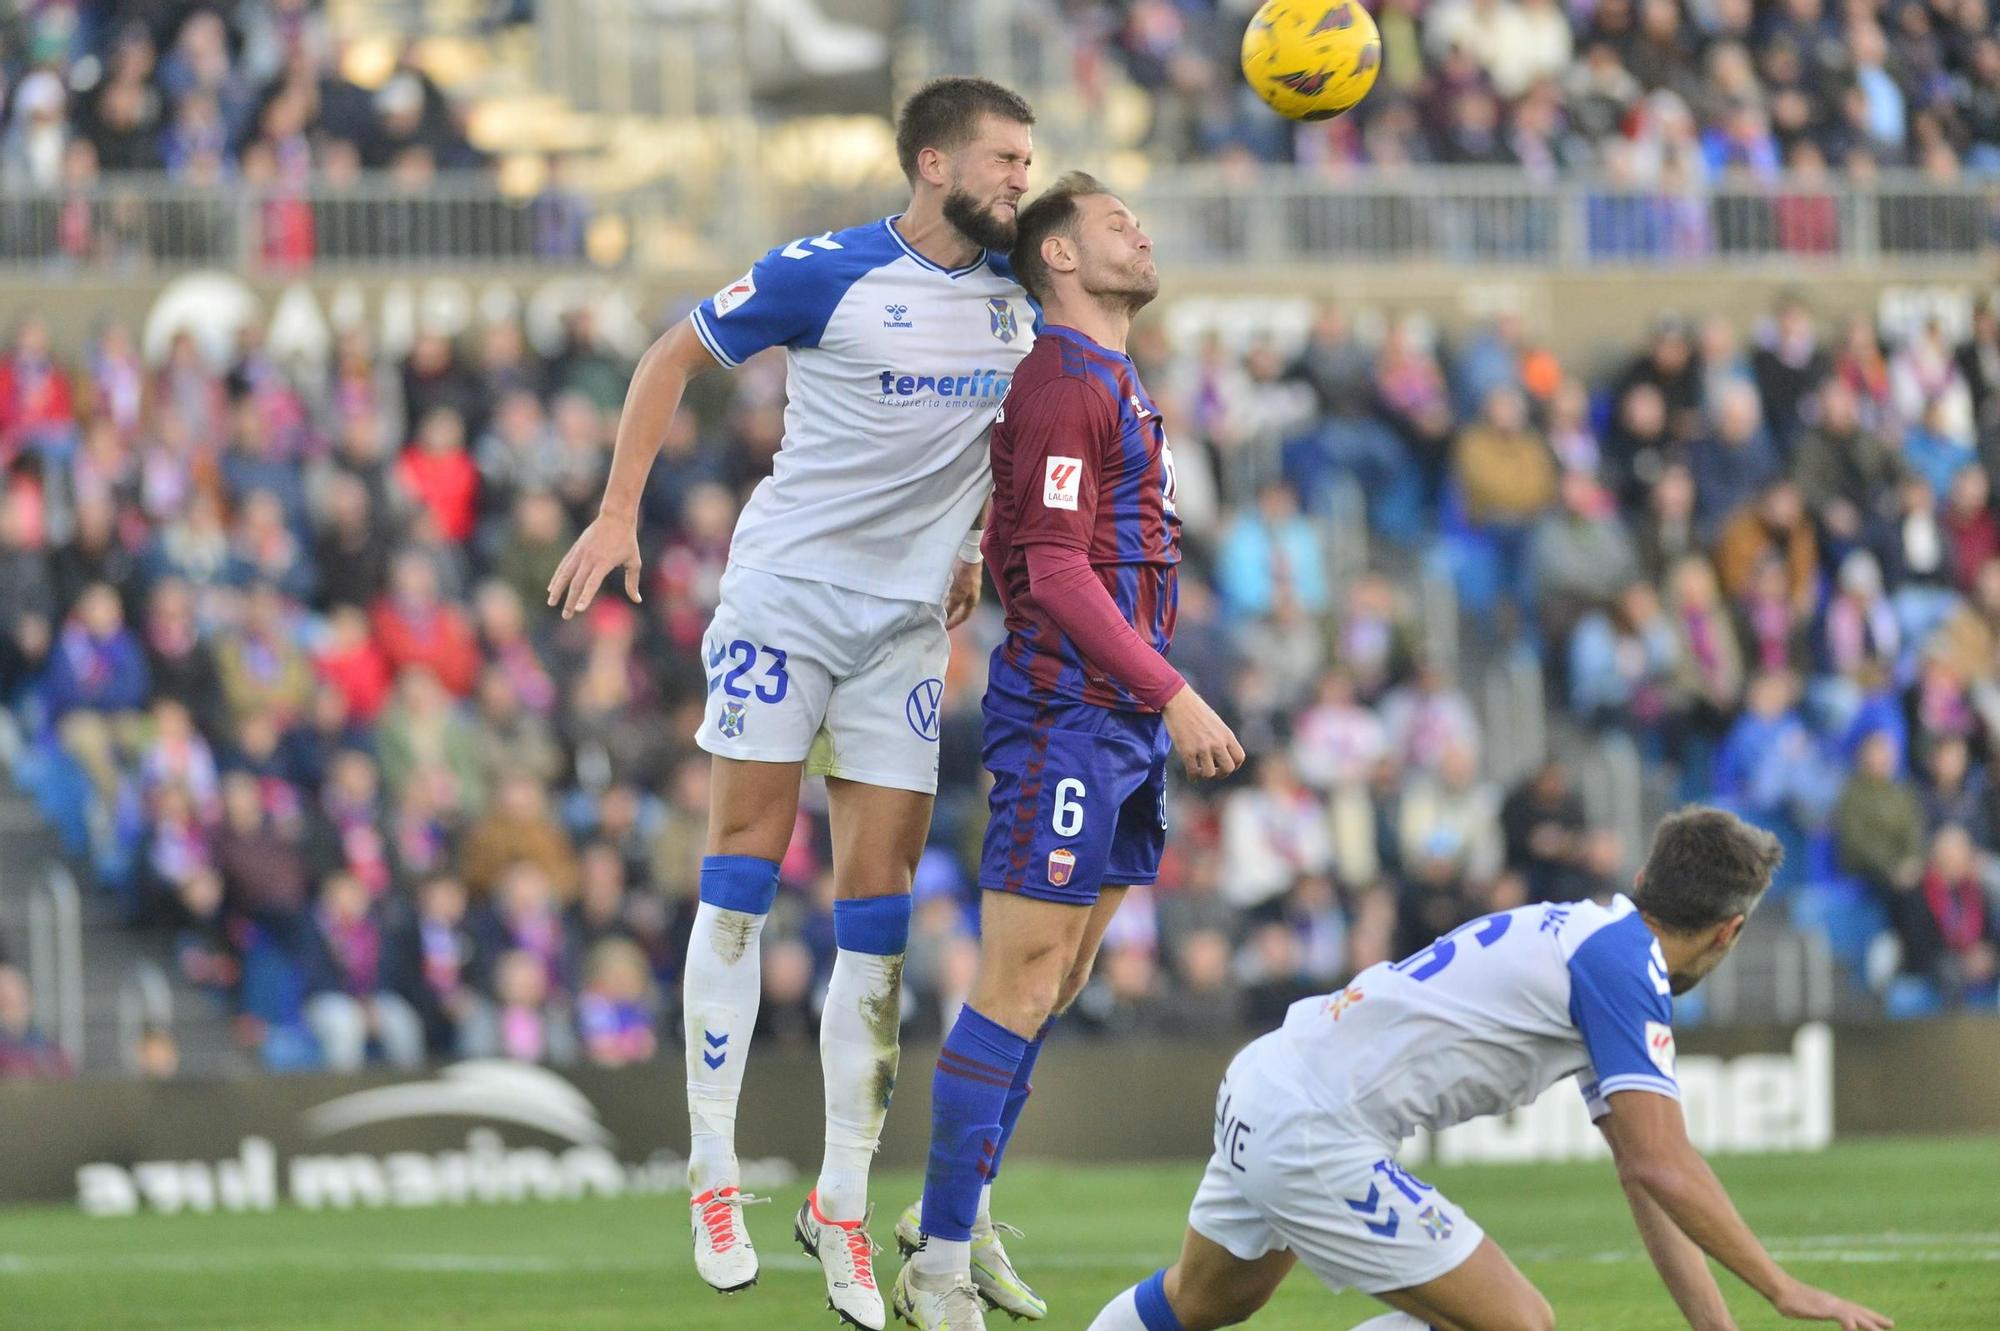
[1312,59]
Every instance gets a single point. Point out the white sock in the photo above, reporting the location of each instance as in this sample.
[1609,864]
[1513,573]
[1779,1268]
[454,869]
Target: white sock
[984,1220]
[724,980]
[860,1039]
[1398,1321]
[943,1257]
[1121,1314]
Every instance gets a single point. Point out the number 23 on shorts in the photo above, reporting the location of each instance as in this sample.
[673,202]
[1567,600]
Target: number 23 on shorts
[770,686]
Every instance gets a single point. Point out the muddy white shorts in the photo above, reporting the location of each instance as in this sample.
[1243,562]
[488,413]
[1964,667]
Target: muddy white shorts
[849,682]
[1285,1174]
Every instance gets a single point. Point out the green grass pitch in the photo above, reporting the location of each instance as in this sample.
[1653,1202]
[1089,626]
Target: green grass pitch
[1909,1226]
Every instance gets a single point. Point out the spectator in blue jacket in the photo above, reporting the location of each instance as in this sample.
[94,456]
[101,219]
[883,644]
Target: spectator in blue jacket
[1270,542]
[95,688]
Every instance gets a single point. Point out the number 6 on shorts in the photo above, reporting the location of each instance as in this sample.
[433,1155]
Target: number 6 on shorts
[1066,819]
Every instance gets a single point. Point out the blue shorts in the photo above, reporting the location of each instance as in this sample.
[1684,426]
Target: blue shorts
[1079,795]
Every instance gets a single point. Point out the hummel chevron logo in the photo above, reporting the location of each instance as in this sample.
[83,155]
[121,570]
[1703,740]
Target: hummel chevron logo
[1372,1205]
[823,241]
[714,1041]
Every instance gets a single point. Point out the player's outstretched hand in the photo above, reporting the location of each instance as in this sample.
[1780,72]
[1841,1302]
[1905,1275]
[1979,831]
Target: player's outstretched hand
[607,543]
[1803,1303]
[961,598]
[1207,746]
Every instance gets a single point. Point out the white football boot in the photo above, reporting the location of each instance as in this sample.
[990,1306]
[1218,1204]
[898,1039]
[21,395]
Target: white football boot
[846,1256]
[723,1254]
[993,1273]
[937,1303]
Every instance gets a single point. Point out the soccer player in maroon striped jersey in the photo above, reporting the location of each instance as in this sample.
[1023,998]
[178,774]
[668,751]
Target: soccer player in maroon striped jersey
[1080,706]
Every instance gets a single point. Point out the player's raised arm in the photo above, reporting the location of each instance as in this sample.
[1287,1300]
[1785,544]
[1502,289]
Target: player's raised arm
[611,541]
[1649,1141]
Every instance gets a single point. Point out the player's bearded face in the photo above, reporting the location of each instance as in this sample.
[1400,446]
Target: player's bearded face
[987,222]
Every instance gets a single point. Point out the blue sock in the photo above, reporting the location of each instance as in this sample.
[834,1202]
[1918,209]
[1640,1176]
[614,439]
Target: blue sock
[879,926]
[1154,1310]
[739,882]
[975,1074]
[1017,1096]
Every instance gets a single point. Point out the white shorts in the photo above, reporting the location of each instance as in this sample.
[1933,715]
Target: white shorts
[848,682]
[1285,1174]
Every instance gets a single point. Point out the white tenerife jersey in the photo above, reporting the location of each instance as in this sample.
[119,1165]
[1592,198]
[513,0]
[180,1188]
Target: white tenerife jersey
[895,368]
[1487,1018]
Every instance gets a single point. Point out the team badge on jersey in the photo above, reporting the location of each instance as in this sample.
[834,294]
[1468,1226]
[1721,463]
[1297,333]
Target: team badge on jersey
[1059,483]
[1001,311]
[1061,865]
[737,293]
[1660,1046]
[730,723]
[1435,1222]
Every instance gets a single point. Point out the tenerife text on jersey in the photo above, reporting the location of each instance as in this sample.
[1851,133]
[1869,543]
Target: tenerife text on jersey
[979,388]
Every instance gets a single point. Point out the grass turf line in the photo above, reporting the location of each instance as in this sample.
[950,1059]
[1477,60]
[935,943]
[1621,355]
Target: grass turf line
[1905,1225]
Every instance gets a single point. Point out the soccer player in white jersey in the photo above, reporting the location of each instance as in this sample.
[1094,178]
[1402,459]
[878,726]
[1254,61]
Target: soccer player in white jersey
[1482,1021]
[828,650]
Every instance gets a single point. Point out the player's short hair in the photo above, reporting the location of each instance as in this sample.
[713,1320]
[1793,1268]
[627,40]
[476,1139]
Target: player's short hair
[1053,213]
[944,114]
[1706,866]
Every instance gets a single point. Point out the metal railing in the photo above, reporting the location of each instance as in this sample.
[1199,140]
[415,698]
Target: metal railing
[1199,217]
[55,959]
[1474,217]
[1514,698]
[146,223]
[145,1002]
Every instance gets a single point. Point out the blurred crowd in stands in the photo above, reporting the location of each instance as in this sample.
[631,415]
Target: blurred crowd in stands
[276,638]
[1651,92]
[210,94]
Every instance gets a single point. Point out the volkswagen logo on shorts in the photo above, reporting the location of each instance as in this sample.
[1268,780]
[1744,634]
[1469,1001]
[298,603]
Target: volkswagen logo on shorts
[922,708]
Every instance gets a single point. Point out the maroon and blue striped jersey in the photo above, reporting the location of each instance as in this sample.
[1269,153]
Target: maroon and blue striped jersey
[1080,460]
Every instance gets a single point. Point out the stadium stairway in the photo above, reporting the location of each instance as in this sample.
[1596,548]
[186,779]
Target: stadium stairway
[113,954]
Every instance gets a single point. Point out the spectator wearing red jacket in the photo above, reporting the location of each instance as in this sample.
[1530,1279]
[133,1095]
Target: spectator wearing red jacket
[415,627]
[353,664]
[442,476]
[36,397]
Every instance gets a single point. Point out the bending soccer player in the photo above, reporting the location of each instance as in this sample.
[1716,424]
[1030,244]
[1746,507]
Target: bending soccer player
[828,650]
[1482,1021]
[1080,707]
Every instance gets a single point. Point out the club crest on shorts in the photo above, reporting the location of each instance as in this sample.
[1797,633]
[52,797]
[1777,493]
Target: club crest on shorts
[1001,311]
[1435,1222]
[730,723]
[1061,865]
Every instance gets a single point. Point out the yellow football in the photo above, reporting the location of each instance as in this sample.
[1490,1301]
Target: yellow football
[1312,59]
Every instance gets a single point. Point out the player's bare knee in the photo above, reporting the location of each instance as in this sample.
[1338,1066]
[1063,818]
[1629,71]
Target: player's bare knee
[1072,985]
[750,827]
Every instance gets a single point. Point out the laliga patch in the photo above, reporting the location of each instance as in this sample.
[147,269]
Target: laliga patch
[736,294]
[1061,865]
[1061,483]
[1660,1046]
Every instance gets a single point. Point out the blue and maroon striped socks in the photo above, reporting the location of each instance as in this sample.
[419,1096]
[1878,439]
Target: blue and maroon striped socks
[975,1073]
